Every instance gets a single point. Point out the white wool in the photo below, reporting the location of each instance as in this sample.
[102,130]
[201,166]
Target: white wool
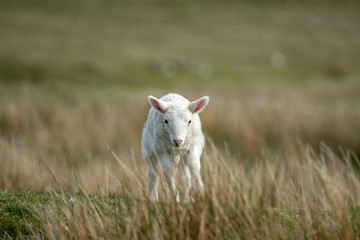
[172,136]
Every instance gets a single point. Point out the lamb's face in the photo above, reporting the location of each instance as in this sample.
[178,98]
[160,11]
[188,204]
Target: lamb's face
[177,121]
[177,116]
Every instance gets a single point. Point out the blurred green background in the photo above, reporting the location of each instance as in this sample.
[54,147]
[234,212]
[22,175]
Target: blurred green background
[167,44]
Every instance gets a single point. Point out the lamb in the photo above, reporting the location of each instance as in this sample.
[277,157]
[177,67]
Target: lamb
[172,136]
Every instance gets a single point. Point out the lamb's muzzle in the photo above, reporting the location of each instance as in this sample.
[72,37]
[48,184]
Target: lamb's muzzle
[177,142]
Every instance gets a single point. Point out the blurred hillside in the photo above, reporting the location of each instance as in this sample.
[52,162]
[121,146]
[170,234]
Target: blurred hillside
[167,44]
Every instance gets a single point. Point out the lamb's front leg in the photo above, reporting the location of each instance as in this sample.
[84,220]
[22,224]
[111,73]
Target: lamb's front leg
[193,162]
[185,181]
[168,168]
[152,177]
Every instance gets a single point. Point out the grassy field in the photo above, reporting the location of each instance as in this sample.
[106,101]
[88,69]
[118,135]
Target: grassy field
[282,126]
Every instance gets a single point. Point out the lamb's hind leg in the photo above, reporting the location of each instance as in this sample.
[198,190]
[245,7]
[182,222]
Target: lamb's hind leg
[152,177]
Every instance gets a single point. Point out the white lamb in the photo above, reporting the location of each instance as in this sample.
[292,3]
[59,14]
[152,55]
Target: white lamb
[172,136]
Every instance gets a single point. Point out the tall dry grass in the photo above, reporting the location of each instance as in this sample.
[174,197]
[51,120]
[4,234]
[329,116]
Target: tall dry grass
[299,195]
[279,174]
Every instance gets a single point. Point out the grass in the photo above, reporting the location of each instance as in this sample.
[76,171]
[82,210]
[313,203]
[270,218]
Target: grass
[293,196]
[261,182]
[19,212]
[282,127]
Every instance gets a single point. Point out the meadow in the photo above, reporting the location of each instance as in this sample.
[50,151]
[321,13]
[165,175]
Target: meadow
[282,127]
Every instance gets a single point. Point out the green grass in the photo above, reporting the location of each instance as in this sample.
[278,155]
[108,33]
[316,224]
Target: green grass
[19,212]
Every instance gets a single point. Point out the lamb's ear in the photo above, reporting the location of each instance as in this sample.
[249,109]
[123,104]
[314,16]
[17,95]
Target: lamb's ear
[158,104]
[198,105]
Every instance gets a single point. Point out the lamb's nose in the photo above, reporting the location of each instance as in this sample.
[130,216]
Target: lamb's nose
[177,142]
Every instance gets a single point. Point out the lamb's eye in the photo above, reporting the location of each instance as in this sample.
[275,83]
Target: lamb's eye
[166,121]
[189,122]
